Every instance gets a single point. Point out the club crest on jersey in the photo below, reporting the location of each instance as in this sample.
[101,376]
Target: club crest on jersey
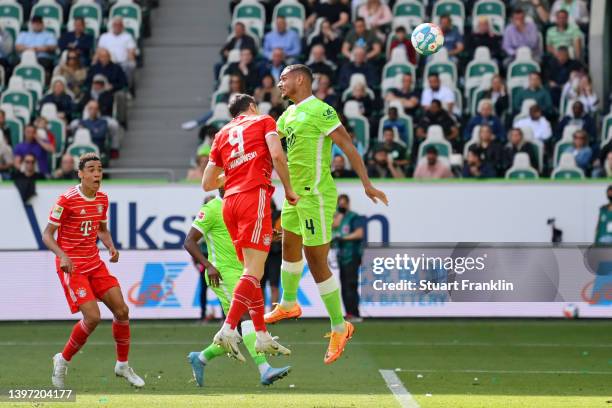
[81,292]
[267,239]
[100,208]
[57,212]
[201,215]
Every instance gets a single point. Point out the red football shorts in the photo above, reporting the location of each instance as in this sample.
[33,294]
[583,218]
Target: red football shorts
[81,288]
[248,218]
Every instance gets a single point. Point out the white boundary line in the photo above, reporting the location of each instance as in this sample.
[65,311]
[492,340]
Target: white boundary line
[401,394]
[474,371]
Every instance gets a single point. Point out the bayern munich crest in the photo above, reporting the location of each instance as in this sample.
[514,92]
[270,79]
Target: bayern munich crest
[267,239]
[81,292]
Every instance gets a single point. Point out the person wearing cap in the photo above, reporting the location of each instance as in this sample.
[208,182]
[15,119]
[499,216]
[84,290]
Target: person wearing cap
[102,92]
[432,167]
[60,98]
[38,39]
[197,172]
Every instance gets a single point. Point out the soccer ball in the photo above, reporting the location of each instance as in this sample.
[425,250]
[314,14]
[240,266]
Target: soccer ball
[427,38]
[570,311]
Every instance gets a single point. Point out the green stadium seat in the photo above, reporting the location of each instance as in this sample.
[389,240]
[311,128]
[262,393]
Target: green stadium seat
[82,144]
[477,68]
[52,15]
[435,137]
[567,169]
[521,168]
[252,14]
[11,17]
[440,64]
[33,74]
[566,143]
[20,98]
[91,12]
[408,139]
[294,14]
[494,10]
[358,122]
[408,14]
[606,125]
[131,15]
[14,124]
[454,8]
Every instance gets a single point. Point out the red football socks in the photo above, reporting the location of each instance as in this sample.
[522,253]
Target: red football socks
[78,337]
[121,333]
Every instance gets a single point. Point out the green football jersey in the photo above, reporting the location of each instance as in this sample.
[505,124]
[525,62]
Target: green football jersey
[306,127]
[221,251]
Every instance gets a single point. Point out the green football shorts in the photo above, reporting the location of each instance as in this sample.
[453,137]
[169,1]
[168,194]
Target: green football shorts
[312,217]
[225,290]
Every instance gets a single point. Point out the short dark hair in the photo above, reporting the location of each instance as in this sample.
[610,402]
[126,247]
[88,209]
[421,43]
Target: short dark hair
[240,103]
[344,196]
[87,157]
[563,11]
[431,150]
[360,19]
[400,29]
[81,19]
[518,10]
[304,69]
[517,130]
[445,16]
[433,74]
[36,19]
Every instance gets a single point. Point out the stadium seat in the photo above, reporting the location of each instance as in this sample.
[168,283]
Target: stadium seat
[56,126]
[316,30]
[435,137]
[408,14]
[474,139]
[358,122]
[20,98]
[439,63]
[521,169]
[408,139]
[232,56]
[357,79]
[264,107]
[294,14]
[221,92]
[33,74]
[91,12]
[454,8]
[397,66]
[494,10]
[517,76]
[606,125]
[447,80]
[220,117]
[567,168]
[253,15]
[14,124]
[538,145]
[479,93]
[524,112]
[52,15]
[481,65]
[566,142]
[11,17]
[131,14]
[82,144]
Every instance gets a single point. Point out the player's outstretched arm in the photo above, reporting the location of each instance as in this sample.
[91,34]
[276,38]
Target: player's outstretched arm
[107,239]
[191,246]
[49,240]
[280,165]
[341,137]
[212,179]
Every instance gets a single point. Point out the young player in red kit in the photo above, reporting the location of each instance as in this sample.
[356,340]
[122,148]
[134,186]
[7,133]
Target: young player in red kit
[245,150]
[80,217]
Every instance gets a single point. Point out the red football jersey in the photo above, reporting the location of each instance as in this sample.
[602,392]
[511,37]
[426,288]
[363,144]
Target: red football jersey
[79,218]
[240,148]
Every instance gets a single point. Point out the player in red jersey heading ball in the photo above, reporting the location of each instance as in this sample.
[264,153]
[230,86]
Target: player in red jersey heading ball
[245,150]
[80,217]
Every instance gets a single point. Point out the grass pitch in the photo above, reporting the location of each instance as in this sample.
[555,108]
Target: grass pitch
[442,363]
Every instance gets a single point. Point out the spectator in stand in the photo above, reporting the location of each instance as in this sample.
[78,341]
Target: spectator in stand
[605,169]
[247,69]
[358,65]
[483,36]
[559,68]
[577,10]
[318,64]
[539,125]
[268,91]
[382,166]
[60,98]
[6,49]
[485,116]
[122,48]
[518,144]
[475,167]
[564,34]
[535,91]
[283,38]
[400,39]
[581,151]
[240,40]
[97,126]
[436,115]
[498,95]
[579,118]
[42,132]
[366,103]
[4,127]
[66,170]
[102,64]
[409,98]
[394,122]
[489,149]
[330,40]
[360,37]
[197,172]
[376,15]
[275,66]
[436,90]
[335,13]
[538,9]
[74,74]
[102,92]
[358,145]
[26,175]
[6,157]
[78,40]
[40,40]
[396,151]
[339,169]
[325,92]
[432,167]
[453,39]
[580,87]
[37,146]
[521,33]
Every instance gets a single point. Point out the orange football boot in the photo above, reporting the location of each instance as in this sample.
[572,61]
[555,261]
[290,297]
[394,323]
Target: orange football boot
[279,314]
[337,342]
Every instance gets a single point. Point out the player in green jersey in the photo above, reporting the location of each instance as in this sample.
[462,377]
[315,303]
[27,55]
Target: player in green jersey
[310,126]
[223,271]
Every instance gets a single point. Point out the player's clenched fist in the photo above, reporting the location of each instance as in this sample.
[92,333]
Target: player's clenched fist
[292,197]
[66,264]
[114,255]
